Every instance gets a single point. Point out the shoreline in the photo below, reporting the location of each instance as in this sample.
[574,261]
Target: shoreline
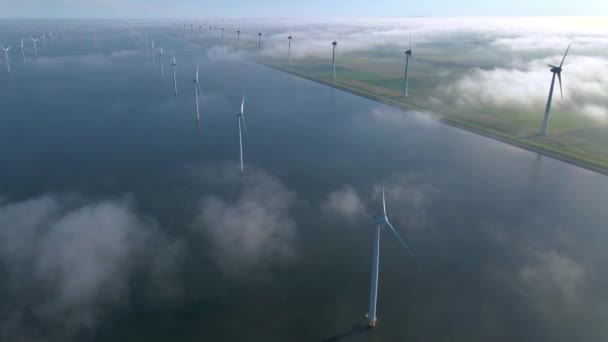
[450,121]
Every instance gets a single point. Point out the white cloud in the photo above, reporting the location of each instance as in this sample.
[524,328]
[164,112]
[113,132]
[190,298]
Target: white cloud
[252,231]
[344,203]
[404,118]
[68,260]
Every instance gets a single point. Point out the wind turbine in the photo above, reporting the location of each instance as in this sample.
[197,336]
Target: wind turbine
[238,39]
[241,116]
[8,67]
[34,40]
[333,59]
[556,70]
[174,79]
[152,53]
[160,57]
[289,49]
[408,55]
[197,87]
[22,50]
[259,40]
[43,42]
[222,35]
[381,222]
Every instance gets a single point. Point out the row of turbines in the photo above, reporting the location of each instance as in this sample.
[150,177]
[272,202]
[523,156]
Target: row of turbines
[556,70]
[34,39]
[381,222]
[141,41]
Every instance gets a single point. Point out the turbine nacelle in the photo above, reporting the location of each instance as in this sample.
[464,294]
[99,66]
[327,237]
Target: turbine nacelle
[408,52]
[334,43]
[380,219]
[555,69]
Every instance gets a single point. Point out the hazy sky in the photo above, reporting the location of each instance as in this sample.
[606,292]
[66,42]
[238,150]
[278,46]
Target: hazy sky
[309,8]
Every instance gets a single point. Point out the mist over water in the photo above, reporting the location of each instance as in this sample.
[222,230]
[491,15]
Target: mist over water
[121,220]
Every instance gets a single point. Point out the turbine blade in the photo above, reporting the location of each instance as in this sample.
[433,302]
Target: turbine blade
[410,40]
[559,77]
[399,238]
[243,106]
[562,63]
[245,127]
[241,145]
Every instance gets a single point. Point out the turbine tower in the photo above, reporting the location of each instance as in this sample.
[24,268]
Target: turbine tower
[289,49]
[22,50]
[408,55]
[238,39]
[259,40]
[34,40]
[43,42]
[174,79]
[152,53]
[241,117]
[556,70]
[222,29]
[197,87]
[333,58]
[160,57]
[381,222]
[6,58]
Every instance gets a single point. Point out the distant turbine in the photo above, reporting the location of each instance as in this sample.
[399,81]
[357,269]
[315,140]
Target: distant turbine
[408,55]
[34,40]
[22,50]
[544,130]
[222,35]
[333,59]
[174,79]
[152,53]
[43,42]
[197,87]
[6,58]
[381,222]
[289,49]
[259,40]
[238,39]
[241,116]
[160,57]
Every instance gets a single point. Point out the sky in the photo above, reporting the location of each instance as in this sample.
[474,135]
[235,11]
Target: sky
[284,9]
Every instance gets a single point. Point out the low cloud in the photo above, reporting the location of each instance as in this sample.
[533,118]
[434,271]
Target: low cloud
[89,60]
[404,118]
[253,230]
[344,203]
[526,87]
[69,260]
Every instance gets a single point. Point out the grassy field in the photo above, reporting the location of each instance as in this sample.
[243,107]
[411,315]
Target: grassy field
[378,75]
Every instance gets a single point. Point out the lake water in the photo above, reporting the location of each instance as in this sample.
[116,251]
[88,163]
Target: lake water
[509,245]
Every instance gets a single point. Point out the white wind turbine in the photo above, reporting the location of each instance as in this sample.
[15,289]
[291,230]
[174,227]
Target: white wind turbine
[408,55]
[241,117]
[160,57]
[152,53]
[34,40]
[197,88]
[333,58]
[238,39]
[22,50]
[174,79]
[556,70]
[381,222]
[43,37]
[6,58]
[289,48]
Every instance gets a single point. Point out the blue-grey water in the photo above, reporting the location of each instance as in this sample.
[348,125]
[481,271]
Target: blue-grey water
[509,245]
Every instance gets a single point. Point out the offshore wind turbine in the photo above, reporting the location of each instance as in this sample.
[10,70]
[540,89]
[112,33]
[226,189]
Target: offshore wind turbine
[408,55]
[556,70]
[222,35]
[174,79]
[259,40]
[160,57]
[238,39]
[197,87]
[34,40]
[22,50]
[289,48]
[43,42]
[333,58]
[152,53]
[241,117]
[6,58]
[381,222]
